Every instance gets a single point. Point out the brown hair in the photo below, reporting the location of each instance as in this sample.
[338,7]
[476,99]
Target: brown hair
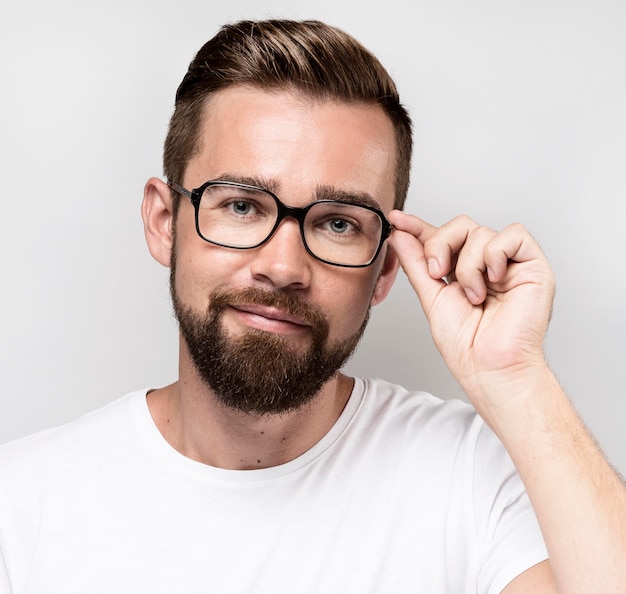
[307,57]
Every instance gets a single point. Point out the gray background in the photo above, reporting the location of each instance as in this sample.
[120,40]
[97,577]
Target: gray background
[519,116]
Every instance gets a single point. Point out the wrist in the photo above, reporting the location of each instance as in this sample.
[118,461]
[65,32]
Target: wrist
[515,400]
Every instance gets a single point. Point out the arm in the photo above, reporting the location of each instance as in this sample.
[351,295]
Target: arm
[488,320]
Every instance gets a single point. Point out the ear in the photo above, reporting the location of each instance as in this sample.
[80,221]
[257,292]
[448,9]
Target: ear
[386,277]
[158,219]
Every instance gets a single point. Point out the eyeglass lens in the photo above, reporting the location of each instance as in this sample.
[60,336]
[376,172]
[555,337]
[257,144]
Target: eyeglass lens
[335,232]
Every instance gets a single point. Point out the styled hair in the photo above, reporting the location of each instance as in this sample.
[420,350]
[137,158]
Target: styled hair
[309,58]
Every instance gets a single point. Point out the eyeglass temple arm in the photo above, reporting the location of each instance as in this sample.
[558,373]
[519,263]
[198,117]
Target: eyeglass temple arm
[177,188]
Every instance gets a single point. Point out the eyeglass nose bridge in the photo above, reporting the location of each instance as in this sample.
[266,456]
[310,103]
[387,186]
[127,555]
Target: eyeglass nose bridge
[295,212]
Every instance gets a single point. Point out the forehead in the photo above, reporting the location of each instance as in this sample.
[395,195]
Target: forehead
[298,143]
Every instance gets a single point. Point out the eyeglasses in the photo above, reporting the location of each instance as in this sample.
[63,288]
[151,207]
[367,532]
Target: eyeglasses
[241,216]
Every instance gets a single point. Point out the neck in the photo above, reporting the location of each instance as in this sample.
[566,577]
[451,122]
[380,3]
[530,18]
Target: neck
[197,424]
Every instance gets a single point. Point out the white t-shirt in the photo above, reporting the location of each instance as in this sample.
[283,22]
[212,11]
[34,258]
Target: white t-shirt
[406,493]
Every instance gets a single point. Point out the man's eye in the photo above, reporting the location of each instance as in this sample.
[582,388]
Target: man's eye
[339,226]
[241,207]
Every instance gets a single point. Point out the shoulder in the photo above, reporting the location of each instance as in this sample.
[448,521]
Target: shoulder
[61,446]
[418,425]
[390,403]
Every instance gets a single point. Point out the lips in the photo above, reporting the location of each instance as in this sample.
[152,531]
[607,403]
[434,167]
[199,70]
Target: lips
[270,313]
[277,312]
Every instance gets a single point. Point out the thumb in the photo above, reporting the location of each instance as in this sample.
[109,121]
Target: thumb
[410,252]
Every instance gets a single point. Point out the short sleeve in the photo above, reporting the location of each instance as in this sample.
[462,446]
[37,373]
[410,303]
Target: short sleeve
[508,535]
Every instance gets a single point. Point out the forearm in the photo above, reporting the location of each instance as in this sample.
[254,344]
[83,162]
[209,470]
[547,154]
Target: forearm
[580,501]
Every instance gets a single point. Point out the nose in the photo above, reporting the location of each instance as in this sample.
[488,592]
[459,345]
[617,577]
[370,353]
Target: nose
[283,261]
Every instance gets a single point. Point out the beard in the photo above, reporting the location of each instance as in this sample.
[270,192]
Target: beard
[259,372]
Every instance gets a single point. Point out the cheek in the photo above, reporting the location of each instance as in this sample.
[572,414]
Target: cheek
[350,303]
[186,281]
[199,268]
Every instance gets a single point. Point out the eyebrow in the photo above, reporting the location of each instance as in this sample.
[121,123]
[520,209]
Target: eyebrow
[322,192]
[265,183]
[359,198]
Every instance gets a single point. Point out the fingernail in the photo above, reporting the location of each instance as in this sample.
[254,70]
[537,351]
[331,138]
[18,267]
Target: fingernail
[471,295]
[433,267]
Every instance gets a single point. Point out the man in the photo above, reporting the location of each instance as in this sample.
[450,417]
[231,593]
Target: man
[264,468]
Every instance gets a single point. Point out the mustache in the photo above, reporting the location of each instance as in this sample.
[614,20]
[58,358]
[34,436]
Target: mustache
[287,302]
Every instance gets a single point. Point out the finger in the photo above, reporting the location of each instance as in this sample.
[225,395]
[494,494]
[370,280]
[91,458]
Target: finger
[410,252]
[513,244]
[471,267]
[445,243]
[411,224]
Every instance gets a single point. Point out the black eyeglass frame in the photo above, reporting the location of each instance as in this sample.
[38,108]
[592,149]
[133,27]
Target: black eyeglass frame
[298,213]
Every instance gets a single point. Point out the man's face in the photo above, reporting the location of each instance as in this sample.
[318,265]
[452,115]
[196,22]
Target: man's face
[258,321]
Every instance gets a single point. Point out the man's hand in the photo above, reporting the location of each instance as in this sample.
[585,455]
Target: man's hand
[487,296]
